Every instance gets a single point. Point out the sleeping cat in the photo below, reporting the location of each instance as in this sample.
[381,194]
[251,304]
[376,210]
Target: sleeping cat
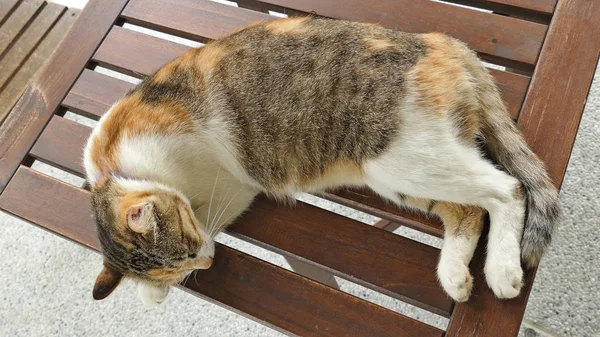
[308,104]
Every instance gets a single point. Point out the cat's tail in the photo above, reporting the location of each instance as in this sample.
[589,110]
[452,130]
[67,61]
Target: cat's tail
[506,146]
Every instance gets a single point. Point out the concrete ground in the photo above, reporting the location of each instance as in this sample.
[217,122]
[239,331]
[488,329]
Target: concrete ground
[45,281]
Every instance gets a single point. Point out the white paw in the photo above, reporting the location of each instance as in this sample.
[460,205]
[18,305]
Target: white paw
[455,279]
[504,278]
[151,295]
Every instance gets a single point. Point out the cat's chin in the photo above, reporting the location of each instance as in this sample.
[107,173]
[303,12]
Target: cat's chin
[150,295]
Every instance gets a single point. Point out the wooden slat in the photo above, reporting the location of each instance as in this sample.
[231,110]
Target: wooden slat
[549,121]
[496,35]
[200,20]
[17,22]
[367,201]
[61,144]
[134,53]
[138,54]
[6,7]
[542,6]
[553,108]
[484,314]
[94,93]
[15,87]
[15,57]
[388,263]
[23,125]
[276,297]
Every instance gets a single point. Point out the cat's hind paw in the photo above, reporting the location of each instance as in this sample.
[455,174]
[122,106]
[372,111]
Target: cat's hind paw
[456,280]
[505,279]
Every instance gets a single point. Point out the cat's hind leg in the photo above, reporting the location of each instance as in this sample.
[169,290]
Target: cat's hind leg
[463,225]
[448,171]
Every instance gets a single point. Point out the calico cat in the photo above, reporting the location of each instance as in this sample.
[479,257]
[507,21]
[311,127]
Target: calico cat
[308,104]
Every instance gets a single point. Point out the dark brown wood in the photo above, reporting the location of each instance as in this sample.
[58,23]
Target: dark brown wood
[61,145]
[134,53]
[252,5]
[368,202]
[561,82]
[399,267]
[11,93]
[181,17]
[94,93]
[247,285]
[376,259]
[14,24]
[543,6]
[14,57]
[42,97]
[500,36]
[484,314]
[138,54]
[549,121]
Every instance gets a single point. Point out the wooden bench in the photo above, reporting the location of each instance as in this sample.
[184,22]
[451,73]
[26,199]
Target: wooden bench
[30,30]
[549,49]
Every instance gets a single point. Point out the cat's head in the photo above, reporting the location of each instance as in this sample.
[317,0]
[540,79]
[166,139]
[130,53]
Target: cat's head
[148,233]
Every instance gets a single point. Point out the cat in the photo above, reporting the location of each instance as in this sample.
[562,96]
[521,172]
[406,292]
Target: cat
[310,104]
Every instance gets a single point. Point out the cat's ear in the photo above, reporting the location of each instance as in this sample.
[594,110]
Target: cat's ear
[106,282]
[138,217]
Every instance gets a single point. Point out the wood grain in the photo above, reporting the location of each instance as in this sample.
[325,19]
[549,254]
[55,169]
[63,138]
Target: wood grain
[388,263]
[17,22]
[61,145]
[138,54]
[11,93]
[94,93]
[42,97]
[276,297]
[6,8]
[27,42]
[561,83]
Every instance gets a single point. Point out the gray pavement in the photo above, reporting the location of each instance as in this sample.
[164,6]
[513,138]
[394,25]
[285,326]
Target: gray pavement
[45,281]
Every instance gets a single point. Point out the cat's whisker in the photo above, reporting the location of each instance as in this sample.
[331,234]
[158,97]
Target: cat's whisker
[212,194]
[217,227]
[222,201]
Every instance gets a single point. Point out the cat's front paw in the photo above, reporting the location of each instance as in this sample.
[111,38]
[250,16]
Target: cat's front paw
[504,278]
[456,280]
[151,295]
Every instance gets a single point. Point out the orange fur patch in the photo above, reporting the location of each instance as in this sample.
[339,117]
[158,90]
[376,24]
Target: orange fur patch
[460,219]
[444,82]
[284,26]
[343,172]
[132,118]
[209,56]
[376,44]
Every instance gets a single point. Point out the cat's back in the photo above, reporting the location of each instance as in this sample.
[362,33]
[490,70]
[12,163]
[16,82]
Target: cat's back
[306,93]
